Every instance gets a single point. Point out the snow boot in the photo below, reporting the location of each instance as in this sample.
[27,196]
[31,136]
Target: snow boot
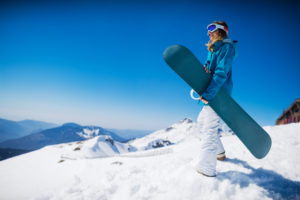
[221,156]
[205,174]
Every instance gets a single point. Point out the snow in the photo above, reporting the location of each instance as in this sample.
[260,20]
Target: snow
[89,132]
[100,168]
[98,147]
[175,133]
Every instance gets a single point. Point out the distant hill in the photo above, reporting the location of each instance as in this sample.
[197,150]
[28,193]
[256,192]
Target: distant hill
[15,129]
[8,153]
[68,132]
[10,129]
[33,126]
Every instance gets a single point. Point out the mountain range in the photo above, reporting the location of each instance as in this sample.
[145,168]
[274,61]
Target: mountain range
[106,146]
[15,129]
[18,137]
[68,132]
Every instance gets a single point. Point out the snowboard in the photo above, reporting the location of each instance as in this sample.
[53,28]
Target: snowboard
[251,134]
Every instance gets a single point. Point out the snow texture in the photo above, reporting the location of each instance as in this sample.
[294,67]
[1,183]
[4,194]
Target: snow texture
[101,168]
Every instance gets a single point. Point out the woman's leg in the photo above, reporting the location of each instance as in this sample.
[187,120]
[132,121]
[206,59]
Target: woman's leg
[200,122]
[220,147]
[209,143]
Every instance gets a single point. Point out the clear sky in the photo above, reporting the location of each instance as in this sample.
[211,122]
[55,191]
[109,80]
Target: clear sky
[101,63]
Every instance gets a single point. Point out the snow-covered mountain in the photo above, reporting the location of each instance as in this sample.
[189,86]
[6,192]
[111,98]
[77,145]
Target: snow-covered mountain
[97,147]
[68,132]
[173,134]
[102,168]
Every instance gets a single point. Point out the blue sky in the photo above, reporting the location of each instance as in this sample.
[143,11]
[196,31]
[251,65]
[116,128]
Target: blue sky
[101,63]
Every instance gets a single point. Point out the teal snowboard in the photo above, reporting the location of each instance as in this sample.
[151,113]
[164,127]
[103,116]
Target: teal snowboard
[187,66]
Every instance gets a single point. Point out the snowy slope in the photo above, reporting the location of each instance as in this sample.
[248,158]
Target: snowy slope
[44,174]
[98,147]
[174,134]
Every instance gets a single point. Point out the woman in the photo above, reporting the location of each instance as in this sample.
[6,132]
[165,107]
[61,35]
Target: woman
[222,51]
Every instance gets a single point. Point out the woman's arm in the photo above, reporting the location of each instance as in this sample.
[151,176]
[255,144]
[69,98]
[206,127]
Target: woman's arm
[224,64]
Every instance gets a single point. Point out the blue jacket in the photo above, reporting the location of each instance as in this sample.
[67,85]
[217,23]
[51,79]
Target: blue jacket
[219,63]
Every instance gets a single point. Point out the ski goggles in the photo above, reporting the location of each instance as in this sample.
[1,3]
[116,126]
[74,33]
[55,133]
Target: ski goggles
[214,27]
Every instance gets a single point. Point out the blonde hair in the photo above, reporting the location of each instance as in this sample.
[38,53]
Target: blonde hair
[219,36]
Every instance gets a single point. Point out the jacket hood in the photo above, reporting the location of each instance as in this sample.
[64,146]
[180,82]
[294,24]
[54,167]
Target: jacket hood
[227,40]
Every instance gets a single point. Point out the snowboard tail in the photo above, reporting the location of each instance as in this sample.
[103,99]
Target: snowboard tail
[187,66]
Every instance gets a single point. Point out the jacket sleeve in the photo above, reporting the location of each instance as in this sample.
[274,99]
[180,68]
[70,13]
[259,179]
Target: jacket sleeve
[224,65]
[208,59]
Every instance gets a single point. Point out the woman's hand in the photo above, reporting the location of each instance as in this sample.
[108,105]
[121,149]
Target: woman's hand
[203,100]
[206,69]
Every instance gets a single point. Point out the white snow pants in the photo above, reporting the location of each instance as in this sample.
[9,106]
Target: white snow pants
[208,123]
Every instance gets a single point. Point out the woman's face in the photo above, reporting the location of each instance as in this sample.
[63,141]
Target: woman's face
[211,35]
